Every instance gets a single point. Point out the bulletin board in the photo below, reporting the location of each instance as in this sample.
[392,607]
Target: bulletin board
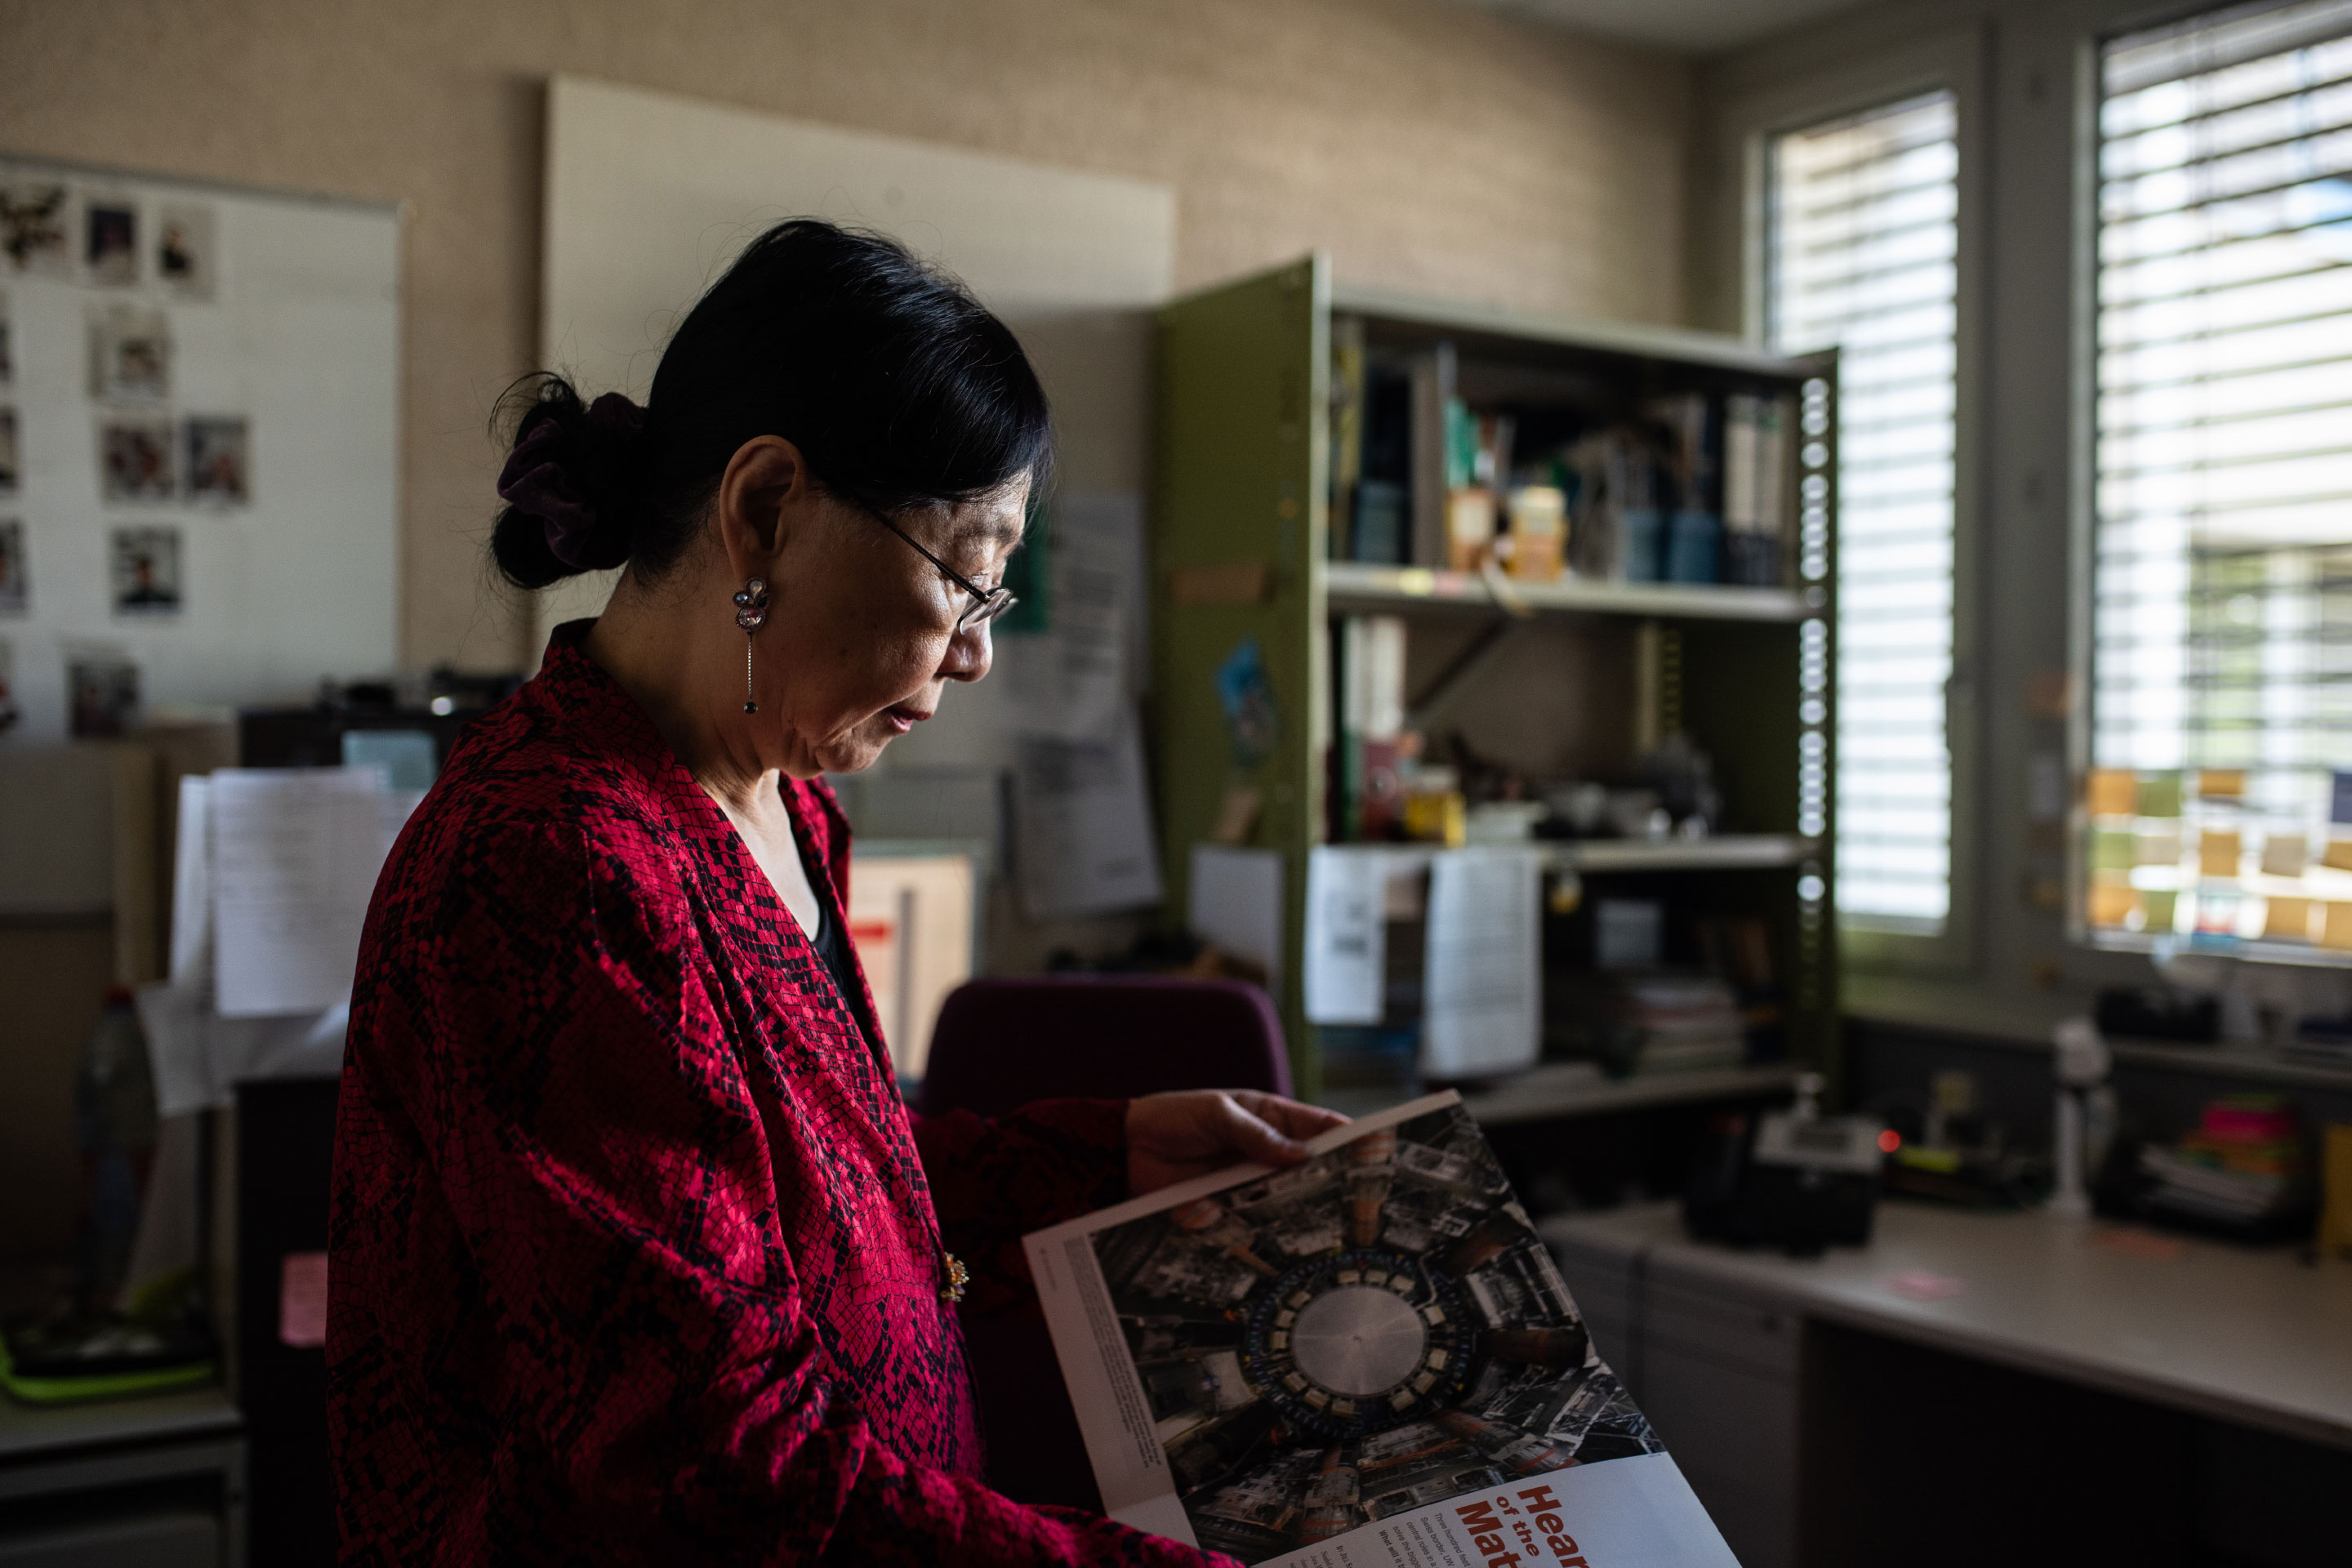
[199,445]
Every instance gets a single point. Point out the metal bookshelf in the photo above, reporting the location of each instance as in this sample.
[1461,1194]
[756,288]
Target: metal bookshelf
[1240,551]
[1351,585]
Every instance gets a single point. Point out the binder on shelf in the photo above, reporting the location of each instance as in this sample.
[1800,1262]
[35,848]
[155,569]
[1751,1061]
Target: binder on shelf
[1432,391]
[1371,674]
[1347,419]
[1755,439]
[1380,530]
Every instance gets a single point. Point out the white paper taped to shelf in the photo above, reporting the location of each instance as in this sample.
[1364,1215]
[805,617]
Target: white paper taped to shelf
[1347,938]
[1482,987]
[1235,901]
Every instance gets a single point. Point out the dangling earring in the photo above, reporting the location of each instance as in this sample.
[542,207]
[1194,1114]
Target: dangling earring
[751,614]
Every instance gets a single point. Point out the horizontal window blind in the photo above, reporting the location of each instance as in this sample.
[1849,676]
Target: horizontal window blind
[2222,616]
[1862,255]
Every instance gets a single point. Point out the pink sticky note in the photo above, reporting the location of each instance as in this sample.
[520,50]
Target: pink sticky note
[1923,1285]
[302,1299]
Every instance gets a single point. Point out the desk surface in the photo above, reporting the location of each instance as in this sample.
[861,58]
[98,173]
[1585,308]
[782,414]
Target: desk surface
[37,1431]
[2252,1336]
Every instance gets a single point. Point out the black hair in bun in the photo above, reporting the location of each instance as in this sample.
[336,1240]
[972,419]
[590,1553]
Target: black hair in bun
[899,387]
[572,485]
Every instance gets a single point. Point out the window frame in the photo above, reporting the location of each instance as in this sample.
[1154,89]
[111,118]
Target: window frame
[2089,88]
[1954,61]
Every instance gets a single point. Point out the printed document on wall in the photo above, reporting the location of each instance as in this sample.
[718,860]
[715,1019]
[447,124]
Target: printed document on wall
[1484,981]
[295,858]
[1235,901]
[1347,945]
[1076,680]
[1082,826]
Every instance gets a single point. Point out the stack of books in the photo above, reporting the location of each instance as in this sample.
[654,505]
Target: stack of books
[1686,1021]
[1648,1020]
[2244,1167]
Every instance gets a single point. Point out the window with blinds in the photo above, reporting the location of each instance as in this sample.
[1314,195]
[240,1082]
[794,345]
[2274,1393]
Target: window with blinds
[1862,255]
[2220,794]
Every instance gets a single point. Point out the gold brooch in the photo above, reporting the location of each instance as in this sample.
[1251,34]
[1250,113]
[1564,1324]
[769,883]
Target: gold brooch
[958,1277]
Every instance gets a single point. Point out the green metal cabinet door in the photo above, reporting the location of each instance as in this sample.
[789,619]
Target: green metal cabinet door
[1238,531]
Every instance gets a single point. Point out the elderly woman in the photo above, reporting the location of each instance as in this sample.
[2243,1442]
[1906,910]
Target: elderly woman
[637,1256]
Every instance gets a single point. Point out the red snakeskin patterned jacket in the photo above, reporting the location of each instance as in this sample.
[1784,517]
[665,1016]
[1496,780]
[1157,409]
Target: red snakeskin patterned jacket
[636,1254]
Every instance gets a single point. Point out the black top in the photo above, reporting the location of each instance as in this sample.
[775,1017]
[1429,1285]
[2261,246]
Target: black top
[833,945]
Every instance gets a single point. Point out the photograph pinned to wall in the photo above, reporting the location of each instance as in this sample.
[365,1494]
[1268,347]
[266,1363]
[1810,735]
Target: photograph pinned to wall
[36,227]
[16,587]
[185,260]
[8,715]
[102,691]
[144,570]
[111,251]
[129,354]
[135,460]
[215,449]
[11,463]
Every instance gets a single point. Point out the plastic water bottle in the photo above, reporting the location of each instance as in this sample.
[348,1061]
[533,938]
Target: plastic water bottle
[114,1127]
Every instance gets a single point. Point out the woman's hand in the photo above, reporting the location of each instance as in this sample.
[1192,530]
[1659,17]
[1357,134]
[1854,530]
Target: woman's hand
[1191,1132]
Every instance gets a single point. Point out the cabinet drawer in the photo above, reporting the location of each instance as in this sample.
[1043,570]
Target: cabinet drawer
[1734,1436]
[1715,1421]
[1760,1528]
[1602,1284]
[1738,1332]
[1600,1281]
[1612,1338]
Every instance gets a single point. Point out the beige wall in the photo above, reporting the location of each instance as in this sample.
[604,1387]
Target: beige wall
[1433,148]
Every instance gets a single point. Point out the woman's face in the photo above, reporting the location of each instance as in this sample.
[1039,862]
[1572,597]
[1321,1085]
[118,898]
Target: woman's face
[861,639]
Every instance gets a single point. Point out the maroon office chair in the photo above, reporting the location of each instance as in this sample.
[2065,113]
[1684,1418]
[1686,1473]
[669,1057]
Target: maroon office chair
[1001,1043]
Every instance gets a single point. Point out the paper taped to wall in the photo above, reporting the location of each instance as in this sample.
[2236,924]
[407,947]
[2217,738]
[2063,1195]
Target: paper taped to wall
[1076,679]
[1235,901]
[1484,984]
[1082,826]
[295,858]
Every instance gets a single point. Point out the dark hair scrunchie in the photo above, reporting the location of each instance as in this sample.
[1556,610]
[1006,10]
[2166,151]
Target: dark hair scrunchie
[538,482]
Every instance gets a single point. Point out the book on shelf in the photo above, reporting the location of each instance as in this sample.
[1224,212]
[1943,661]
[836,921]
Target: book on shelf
[1432,378]
[1380,530]
[1755,477]
[1348,394]
[1680,487]
[1371,655]
[1367,1361]
[1691,546]
[1671,1020]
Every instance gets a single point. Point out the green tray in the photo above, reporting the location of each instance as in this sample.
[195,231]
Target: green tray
[103,1384]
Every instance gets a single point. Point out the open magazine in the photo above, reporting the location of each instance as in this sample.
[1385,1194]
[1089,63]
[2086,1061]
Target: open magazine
[1367,1360]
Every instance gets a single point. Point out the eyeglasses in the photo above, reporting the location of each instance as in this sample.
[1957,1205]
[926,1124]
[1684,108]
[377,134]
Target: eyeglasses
[987,604]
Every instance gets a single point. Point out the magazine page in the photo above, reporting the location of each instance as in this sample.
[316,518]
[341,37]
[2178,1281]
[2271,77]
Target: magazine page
[1367,1360]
